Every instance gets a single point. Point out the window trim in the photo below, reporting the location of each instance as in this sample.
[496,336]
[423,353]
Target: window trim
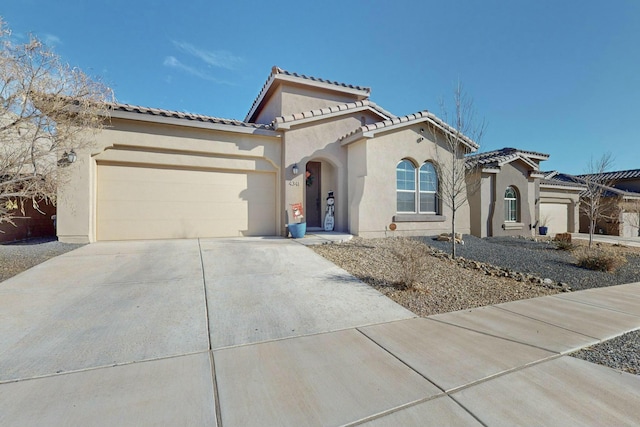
[433,192]
[415,187]
[417,191]
[511,204]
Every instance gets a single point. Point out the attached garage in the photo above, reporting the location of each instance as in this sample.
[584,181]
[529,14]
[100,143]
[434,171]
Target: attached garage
[556,217]
[146,202]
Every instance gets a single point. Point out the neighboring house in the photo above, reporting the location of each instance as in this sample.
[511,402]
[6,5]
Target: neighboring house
[33,223]
[621,202]
[506,201]
[155,174]
[559,204]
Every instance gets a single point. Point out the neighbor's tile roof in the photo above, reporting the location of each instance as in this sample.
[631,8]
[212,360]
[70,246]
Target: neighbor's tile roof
[334,109]
[185,116]
[408,119]
[578,179]
[277,70]
[504,155]
[557,179]
[614,176]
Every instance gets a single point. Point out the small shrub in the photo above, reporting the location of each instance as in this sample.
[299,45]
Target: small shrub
[411,258]
[600,260]
[563,245]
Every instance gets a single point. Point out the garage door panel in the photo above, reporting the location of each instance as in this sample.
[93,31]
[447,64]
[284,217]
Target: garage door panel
[556,215]
[148,203]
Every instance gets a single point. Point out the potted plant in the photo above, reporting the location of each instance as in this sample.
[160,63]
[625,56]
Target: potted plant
[298,228]
[542,228]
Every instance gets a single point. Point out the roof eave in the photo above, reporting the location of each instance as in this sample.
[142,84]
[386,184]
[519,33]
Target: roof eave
[423,117]
[148,118]
[315,115]
[561,187]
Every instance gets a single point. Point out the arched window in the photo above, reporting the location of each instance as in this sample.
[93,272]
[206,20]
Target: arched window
[416,188]
[510,205]
[406,186]
[428,188]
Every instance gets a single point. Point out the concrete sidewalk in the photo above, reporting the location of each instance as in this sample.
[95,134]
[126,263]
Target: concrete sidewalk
[618,240]
[241,332]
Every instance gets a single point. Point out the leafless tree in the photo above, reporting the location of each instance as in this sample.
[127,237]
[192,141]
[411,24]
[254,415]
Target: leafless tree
[463,130]
[47,108]
[632,208]
[593,201]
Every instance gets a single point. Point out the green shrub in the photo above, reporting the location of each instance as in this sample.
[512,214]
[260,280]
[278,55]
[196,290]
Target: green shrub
[600,259]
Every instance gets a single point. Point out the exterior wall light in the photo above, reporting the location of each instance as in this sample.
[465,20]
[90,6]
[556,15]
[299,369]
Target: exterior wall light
[294,169]
[72,156]
[68,158]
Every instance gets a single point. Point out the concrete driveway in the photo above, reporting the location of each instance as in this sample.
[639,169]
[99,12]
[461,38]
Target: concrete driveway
[263,332]
[75,329]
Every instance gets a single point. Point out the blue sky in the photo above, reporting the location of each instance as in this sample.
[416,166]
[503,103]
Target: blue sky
[559,77]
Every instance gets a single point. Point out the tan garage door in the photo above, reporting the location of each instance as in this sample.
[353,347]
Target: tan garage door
[155,203]
[557,215]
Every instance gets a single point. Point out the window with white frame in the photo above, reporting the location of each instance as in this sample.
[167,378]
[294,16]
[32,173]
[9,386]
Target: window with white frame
[406,186]
[416,188]
[510,205]
[428,185]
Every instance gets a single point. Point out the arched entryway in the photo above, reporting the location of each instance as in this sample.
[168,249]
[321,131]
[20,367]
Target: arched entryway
[320,178]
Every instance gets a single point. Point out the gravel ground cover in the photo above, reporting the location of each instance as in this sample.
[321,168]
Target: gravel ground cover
[441,284]
[445,286]
[20,256]
[543,259]
[622,353]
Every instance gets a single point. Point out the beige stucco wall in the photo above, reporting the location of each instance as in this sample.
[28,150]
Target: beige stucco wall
[480,213]
[289,98]
[567,197]
[157,145]
[488,204]
[318,141]
[298,99]
[372,179]
[272,107]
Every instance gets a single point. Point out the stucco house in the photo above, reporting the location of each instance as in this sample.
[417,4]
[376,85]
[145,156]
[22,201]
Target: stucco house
[559,204]
[621,201]
[506,192]
[154,174]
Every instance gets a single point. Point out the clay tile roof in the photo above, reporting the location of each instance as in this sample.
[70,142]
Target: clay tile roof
[185,116]
[608,191]
[277,70]
[615,176]
[334,109]
[504,155]
[554,178]
[419,116]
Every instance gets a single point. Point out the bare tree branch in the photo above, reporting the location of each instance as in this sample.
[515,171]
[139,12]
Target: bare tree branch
[454,188]
[593,199]
[47,108]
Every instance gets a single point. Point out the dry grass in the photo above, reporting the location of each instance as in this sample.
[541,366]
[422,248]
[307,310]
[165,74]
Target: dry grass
[599,259]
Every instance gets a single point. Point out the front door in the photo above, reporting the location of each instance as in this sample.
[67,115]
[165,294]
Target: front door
[313,201]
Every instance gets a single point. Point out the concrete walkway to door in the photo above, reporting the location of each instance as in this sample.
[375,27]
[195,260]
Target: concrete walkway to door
[240,332]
